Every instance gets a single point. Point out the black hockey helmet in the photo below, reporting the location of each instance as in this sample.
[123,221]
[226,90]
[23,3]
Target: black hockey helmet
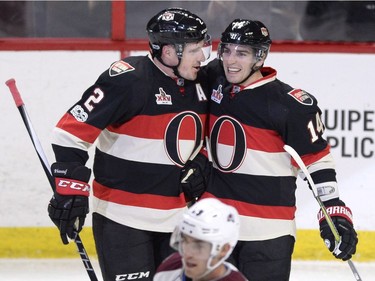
[247,32]
[175,26]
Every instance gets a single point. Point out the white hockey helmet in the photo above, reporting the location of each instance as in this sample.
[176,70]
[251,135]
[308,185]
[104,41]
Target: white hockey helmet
[212,221]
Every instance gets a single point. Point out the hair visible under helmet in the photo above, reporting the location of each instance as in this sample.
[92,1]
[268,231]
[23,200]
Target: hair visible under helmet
[176,26]
[249,33]
[212,221]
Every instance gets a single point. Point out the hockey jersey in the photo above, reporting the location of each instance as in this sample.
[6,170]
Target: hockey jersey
[145,125]
[172,270]
[248,128]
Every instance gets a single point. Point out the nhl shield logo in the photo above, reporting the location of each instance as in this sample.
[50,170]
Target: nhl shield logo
[119,67]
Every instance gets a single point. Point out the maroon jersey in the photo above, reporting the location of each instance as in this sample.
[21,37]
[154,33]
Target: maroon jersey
[172,270]
[145,126]
[248,128]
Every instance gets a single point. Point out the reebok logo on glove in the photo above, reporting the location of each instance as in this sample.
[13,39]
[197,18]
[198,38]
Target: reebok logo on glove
[72,187]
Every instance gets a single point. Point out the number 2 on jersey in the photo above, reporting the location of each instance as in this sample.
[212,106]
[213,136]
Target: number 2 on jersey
[94,99]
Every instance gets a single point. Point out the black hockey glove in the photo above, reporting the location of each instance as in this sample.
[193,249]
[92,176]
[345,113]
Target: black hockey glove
[194,177]
[69,205]
[342,219]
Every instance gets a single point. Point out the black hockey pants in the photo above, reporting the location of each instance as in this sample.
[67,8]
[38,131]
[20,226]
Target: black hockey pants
[264,260]
[126,253]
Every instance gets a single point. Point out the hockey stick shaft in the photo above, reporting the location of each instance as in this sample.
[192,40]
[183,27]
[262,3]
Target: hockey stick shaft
[11,83]
[328,218]
[208,147]
[26,119]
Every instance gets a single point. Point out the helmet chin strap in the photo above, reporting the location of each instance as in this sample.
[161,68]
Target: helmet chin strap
[212,268]
[209,267]
[179,49]
[253,70]
[174,68]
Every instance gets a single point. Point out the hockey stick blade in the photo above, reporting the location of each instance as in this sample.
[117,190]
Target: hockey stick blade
[11,83]
[328,218]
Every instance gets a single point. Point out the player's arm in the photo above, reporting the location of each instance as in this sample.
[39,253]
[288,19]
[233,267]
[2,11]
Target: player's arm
[323,175]
[306,130]
[74,134]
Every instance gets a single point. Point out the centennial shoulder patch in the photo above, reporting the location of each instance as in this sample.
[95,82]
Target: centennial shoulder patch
[301,96]
[79,113]
[120,67]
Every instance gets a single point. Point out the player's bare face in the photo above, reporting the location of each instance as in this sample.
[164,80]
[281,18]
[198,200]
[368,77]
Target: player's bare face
[237,61]
[195,254]
[191,60]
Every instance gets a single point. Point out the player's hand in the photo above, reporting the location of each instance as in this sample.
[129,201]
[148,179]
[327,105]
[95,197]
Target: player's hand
[342,219]
[69,205]
[194,177]
[68,213]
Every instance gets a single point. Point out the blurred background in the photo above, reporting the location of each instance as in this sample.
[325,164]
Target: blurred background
[288,20]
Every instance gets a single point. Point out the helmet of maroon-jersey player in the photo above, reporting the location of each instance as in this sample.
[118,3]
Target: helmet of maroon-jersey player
[175,26]
[247,32]
[212,221]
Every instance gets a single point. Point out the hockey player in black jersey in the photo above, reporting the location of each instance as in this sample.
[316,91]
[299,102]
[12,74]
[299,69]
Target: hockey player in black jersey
[146,116]
[252,116]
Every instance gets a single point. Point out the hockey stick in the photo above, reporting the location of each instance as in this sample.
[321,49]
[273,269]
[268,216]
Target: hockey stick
[191,171]
[328,218]
[192,156]
[208,147]
[11,83]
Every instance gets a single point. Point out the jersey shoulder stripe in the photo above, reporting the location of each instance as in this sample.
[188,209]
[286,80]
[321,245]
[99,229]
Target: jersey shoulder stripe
[82,130]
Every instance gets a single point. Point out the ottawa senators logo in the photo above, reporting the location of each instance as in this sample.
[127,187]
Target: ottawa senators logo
[301,96]
[120,67]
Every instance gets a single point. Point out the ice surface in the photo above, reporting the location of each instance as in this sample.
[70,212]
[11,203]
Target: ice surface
[73,270]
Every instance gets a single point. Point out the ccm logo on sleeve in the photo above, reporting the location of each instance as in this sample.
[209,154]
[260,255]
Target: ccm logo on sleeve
[72,187]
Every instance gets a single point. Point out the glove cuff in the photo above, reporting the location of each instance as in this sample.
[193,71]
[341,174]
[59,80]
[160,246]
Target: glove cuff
[72,187]
[71,170]
[337,211]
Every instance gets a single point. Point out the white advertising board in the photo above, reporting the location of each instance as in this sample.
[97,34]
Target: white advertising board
[51,81]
